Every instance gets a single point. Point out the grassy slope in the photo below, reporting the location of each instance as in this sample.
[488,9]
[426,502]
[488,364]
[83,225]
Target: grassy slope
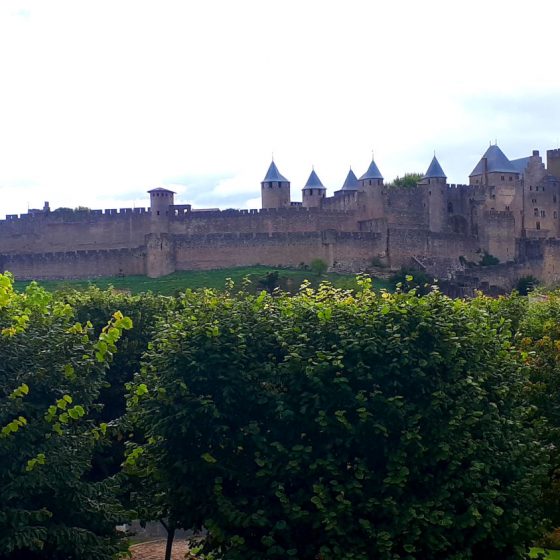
[290,279]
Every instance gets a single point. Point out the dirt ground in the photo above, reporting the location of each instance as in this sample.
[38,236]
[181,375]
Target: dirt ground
[155,550]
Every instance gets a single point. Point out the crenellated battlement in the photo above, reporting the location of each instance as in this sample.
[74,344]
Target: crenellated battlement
[244,213]
[69,215]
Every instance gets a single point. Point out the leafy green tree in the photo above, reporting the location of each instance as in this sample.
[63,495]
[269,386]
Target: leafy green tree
[410,180]
[51,371]
[342,426]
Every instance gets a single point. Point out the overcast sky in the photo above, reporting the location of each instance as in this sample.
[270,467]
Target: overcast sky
[103,100]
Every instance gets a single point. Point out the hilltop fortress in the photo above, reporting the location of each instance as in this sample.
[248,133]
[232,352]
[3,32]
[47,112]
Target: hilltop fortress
[509,210]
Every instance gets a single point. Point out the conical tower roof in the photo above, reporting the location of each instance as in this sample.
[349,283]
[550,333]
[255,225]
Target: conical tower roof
[314,182]
[351,182]
[497,162]
[435,171]
[372,172]
[273,174]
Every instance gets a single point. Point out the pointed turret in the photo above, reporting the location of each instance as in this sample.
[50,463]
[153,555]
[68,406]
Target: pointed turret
[435,170]
[351,182]
[435,173]
[314,182]
[274,175]
[313,192]
[275,189]
[372,176]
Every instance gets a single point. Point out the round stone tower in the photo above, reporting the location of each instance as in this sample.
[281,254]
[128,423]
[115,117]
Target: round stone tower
[275,189]
[436,194]
[371,183]
[313,192]
[160,201]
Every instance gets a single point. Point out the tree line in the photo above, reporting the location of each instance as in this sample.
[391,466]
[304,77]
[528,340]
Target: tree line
[330,424]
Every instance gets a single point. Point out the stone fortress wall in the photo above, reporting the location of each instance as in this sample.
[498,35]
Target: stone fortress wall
[509,210]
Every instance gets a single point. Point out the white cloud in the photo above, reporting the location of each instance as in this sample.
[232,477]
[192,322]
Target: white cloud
[103,97]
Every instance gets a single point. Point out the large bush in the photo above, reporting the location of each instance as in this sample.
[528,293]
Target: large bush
[51,371]
[338,426]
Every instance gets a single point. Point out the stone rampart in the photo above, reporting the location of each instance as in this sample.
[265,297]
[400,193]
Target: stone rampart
[292,219]
[74,230]
[354,249]
[75,264]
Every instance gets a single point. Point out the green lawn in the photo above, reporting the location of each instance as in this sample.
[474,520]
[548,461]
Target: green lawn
[551,554]
[290,279]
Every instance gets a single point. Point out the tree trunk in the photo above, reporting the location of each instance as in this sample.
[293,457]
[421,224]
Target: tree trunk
[170,528]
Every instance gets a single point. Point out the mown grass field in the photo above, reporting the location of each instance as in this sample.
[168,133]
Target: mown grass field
[289,279]
[550,554]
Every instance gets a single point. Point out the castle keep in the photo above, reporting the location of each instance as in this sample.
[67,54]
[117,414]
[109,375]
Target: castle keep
[509,209]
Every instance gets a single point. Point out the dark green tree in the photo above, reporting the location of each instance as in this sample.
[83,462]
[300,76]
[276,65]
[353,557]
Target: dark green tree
[341,426]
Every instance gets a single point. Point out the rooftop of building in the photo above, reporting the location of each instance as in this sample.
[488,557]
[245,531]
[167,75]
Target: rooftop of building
[496,162]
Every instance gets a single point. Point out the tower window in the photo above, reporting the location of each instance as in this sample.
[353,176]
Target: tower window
[534,200]
[543,213]
[510,178]
[554,198]
[536,211]
[537,189]
[538,225]
[531,188]
[503,178]
[450,207]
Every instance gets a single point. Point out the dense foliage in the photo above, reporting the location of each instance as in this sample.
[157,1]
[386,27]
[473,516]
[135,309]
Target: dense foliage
[342,426]
[329,425]
[409,180]
[51,371]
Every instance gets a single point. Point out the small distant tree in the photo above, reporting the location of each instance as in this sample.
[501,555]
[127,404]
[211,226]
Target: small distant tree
[526,284]
[408,181]
[488,260]
[318,267]
[270,281]
[408,279]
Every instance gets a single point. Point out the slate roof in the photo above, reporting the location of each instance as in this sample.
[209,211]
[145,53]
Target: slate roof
[351,182]
[372,172]
[161,189]
[435,171]
[314,182]
[497,162]
[520,164]
[274,175]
